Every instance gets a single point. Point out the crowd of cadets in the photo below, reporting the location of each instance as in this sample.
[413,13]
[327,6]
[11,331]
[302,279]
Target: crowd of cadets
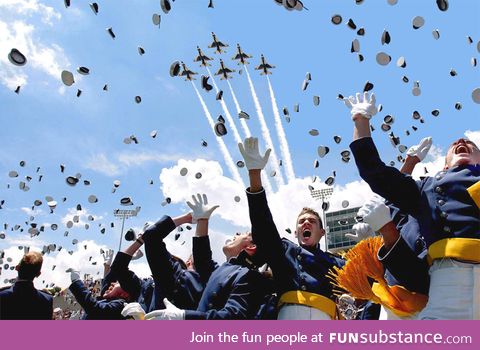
[429,252]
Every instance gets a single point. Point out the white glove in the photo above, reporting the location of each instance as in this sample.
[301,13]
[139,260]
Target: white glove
[420,150]
[200,208]
[361,105]
[361,231]
[170,313]
[251,154]
[375,213]
[108,257]
[74,274]
[138,254]
[133,310]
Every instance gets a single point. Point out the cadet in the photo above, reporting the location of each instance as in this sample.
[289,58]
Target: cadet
[22,301]
[173,280]
[119,286]
[300,271]
[446,207]
[234,289]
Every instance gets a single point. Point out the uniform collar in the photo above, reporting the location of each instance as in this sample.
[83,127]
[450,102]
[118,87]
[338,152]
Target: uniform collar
[244,259]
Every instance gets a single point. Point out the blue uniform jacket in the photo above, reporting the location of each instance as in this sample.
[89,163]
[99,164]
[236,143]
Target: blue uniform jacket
[414,241]
[23,302]
[294,268]
[97,309]
[234,290]
[440,204]
[182,287]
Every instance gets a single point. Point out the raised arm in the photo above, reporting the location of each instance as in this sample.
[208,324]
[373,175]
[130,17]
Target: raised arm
[386,181]
[202,253]
[264,232]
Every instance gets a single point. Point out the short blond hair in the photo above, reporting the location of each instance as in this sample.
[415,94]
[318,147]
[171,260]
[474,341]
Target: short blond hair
[307,210]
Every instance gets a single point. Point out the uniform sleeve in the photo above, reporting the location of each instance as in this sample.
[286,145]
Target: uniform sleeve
[265,234]
[243,302]
[202,258]
[409,270]
[388,182]
[119,266]
[97,309]
[167,272]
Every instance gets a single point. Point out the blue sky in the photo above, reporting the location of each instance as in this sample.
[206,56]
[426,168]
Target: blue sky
[47,125]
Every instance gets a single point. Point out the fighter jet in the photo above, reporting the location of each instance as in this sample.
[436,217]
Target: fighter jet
[202,58]
[187,73]
[217,44]
[264,67]
[224,71]
[241,56]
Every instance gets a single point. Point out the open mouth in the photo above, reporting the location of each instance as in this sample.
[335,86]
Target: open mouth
[462,149]
[307,233]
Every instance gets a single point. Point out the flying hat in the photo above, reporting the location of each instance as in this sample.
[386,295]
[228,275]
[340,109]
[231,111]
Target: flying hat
[165,5]
[220,129]
[17,58]
[67,78]
[94,7]
[174,69]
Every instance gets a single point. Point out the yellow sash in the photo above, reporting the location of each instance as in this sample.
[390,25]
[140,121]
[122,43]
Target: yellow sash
[310,299]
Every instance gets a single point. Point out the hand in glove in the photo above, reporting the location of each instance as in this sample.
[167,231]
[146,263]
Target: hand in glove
[251,154]
[74,274]
[361,105]
[420,151]
[171,312]
[361,231]
[199,207]
[375,213]
[133,310]
[108,257]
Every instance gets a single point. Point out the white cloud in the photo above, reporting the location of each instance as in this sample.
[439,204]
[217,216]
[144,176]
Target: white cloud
[81,259]
[17,33]
[32,212]
[100,163]
[473,136]
[82,215]
[120,162]
[31,8]
[139,158]
[285,204]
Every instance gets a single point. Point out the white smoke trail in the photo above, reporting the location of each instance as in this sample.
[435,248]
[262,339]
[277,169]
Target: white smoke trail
[246,129]
[265,131]
[281,136]
[231,123]
[226,154]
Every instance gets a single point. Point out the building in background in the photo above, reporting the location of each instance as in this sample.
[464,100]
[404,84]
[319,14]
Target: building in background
[338,224]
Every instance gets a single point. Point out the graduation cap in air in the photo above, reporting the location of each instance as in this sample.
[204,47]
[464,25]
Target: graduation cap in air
[243,115]
[130,235]
[94,7]
[383,58]
[175,69]
[322,151]
[336,19]
[166,6]
[17,58]
[442,5]
[219,95]
[156,19]
[418,22]
[110,32]
[205,84]
[220,129]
